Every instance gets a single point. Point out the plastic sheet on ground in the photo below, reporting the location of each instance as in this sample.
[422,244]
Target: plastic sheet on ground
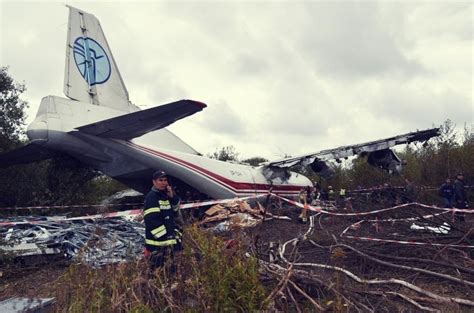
[443,229]
[94,242]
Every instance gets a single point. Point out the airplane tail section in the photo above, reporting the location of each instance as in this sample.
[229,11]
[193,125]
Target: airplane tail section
[91,74]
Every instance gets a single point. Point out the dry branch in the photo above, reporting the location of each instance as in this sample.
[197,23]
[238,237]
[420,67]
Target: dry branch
[281,285]
[416,269]
[315,304]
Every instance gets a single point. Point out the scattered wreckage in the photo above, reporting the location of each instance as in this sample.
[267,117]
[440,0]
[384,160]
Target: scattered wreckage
[104,238]
[91,241]
[410,256]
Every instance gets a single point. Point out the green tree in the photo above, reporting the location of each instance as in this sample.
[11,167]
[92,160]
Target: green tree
[61,180]
[12,111]
[227,153]
[255,161]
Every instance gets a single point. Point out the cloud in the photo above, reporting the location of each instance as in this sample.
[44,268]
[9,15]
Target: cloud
[278,78]
[222,119]
[354,42]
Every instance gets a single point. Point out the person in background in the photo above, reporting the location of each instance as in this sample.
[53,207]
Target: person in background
[161,212]
[331,194]
[303,198]
[446,191]
[309,195]
[409,192]
[342,197]
[460,198]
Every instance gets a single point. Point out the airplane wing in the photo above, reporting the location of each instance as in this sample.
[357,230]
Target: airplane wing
[32,152]
[378,151]
[138,123]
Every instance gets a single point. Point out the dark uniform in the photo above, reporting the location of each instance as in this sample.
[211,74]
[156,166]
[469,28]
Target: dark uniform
[161,232]
[446,191]
[460,197]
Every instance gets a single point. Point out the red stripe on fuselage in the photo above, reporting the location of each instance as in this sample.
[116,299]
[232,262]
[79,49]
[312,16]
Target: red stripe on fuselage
[236,187]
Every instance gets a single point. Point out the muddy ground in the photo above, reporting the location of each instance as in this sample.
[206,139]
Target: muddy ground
[323,244]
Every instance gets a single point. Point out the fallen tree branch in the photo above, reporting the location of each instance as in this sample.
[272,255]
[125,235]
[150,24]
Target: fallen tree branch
[464,269]
[405,297]
[416,269]
[297,306]
[378,282]
[389,281]
[281,285]
[309,278]
[301,291]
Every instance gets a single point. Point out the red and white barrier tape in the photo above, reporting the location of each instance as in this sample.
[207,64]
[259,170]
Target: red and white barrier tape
[125,213]
[409,219]
[410,242]
[86,217]
[320,210]
[71,206]
[402,242]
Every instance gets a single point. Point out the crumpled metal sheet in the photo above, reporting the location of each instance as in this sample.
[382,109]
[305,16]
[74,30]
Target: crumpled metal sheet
[94,242]
[15,305]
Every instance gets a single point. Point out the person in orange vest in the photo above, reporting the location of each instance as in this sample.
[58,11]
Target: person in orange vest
[303,198]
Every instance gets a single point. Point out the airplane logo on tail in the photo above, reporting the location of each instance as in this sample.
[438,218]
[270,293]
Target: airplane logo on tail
[91,60]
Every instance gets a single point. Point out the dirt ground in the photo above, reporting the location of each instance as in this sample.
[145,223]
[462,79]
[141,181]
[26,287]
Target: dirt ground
[323,244]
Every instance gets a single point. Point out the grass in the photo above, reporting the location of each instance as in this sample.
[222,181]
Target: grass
[210,276]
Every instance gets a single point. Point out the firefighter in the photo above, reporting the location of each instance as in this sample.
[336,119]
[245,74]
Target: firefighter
[161,213]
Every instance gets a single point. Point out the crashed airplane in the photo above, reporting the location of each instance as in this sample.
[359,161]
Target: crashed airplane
[99,126]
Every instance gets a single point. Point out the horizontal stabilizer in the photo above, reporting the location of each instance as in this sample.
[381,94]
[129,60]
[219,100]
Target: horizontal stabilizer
[138,123]
[26,154]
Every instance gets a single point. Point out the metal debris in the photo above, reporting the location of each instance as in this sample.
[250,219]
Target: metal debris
[15,305]
[95,242]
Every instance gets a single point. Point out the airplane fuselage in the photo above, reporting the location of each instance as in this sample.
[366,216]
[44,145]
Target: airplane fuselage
[133,161]
[99,126]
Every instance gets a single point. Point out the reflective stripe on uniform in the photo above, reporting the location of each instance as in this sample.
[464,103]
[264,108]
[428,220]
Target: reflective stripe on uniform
[151,210]
[164,204]
[159,231]
[178,233]
[163,243]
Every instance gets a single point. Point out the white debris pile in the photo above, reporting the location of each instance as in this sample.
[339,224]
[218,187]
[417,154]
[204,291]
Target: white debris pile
[236,214]
[443,229]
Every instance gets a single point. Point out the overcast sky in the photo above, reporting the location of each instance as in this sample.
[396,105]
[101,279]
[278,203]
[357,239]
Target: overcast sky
[278,77]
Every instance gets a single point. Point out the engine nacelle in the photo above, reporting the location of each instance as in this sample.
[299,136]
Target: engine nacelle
[385,159]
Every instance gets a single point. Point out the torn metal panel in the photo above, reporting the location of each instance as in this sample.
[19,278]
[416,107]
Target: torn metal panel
[358,149]
[94,242]
[26,249]
[32,305]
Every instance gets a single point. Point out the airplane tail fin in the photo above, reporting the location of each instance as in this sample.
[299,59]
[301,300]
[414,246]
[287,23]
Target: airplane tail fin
[91,74]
